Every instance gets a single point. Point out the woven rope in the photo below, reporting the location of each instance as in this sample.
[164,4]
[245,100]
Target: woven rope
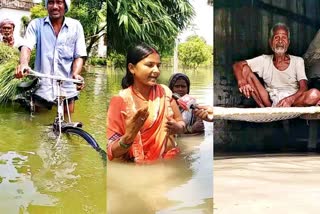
[269,114]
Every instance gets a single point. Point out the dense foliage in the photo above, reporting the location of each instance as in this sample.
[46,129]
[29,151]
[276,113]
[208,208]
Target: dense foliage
[156,22]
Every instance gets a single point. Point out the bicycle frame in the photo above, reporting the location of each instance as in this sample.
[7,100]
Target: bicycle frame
[60,97]
[60,107]
[69,128]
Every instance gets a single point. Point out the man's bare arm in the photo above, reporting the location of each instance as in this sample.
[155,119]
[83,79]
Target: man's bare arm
[25,54]
[76,70]
[242,71]
[238,71]
[77,66]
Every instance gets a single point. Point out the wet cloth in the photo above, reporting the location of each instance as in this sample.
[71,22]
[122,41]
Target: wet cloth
[279,84]
[152,141]
[55,55]
[188,117]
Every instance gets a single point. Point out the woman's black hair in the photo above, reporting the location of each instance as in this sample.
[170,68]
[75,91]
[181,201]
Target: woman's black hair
[135,54]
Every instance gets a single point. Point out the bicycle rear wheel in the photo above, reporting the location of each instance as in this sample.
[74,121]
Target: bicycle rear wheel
[78,135]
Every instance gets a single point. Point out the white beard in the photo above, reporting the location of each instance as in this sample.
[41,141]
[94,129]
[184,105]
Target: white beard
[280,50]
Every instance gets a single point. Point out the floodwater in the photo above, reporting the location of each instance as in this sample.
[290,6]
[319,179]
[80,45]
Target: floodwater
[183,185]
[37,175]
[267,184]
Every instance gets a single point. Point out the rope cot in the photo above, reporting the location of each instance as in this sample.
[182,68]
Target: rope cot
[268,114]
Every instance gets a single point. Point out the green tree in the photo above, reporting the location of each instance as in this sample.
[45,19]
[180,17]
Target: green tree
[155,22]
[38,11]
[92,15]
[116,60]
[25,21]
[194,52]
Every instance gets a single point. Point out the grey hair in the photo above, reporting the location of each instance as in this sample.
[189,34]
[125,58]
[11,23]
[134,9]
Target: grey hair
[279,25]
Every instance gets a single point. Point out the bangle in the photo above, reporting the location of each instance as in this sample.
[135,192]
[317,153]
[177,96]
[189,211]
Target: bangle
[124,145]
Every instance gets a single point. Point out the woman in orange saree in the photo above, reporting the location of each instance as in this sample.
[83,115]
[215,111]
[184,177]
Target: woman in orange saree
[143,118]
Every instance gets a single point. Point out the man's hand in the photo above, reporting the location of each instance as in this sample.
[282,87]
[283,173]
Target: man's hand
[22,70]
[286,102]
[79,77]
[245,88]
[203,112]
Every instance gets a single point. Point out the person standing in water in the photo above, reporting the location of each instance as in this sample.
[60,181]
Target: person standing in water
[180,83]
[143,118]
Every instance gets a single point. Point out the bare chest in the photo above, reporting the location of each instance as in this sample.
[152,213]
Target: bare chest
[282,65]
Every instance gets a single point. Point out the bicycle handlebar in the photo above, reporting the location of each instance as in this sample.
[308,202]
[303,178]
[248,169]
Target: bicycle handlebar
[37,74]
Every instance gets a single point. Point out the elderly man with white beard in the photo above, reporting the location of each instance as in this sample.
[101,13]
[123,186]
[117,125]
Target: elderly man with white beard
[285,81]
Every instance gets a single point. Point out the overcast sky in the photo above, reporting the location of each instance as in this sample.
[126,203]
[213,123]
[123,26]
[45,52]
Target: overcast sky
[203,21]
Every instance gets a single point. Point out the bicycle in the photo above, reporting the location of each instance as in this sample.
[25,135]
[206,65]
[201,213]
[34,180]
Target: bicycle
[73,130]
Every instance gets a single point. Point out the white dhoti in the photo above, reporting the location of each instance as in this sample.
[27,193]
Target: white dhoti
[276,95]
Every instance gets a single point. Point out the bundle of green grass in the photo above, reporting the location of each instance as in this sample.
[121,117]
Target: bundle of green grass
[8,83]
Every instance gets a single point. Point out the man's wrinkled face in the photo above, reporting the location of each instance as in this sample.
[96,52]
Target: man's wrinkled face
[56,9]
[7,30]
[280,41]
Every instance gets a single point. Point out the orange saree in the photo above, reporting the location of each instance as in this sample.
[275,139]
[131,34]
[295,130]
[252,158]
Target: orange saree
[152,142]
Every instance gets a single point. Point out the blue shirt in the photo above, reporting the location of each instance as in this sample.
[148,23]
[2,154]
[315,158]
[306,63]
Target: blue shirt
[55,54]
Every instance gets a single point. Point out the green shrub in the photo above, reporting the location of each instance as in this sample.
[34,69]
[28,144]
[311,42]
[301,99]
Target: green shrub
[116,60]
[98,61]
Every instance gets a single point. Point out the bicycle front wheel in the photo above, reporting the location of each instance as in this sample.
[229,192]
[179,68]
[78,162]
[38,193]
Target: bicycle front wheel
[78,135]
